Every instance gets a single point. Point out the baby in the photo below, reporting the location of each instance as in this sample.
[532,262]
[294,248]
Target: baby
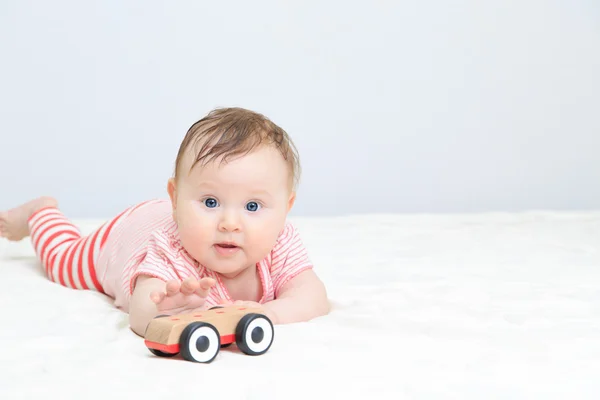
[221,238]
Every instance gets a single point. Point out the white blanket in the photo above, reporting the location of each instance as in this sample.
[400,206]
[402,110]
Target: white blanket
[489,306]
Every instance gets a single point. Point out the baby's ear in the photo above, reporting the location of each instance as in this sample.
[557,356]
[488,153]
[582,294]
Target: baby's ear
[172,190]
[291,200]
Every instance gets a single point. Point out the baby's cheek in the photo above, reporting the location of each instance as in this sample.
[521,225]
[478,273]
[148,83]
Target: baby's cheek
[194,218]
[193,237]
[263,240]
[194,233]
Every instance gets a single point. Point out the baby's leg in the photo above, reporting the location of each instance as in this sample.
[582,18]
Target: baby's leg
[13,223]
[67,256]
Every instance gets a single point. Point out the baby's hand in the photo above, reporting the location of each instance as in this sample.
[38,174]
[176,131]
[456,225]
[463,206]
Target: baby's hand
[246,303]
[265,309]
[182,296]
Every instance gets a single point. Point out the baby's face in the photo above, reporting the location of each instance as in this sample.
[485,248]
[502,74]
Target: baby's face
[230,215]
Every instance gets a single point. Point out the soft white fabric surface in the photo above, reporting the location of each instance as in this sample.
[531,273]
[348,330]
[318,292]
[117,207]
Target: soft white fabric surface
[493,306]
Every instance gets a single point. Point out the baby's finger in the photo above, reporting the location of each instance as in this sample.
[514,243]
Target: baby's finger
[205,285]
[173,287]
[189,286]
[157,297]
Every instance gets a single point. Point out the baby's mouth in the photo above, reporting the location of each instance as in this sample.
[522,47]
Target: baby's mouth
[227,245]
[226,249]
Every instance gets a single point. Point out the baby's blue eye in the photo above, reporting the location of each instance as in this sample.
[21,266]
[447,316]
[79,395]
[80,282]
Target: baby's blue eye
[210,203]
[252,206]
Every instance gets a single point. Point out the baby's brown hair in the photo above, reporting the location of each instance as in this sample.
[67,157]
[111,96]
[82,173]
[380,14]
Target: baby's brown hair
[234,131]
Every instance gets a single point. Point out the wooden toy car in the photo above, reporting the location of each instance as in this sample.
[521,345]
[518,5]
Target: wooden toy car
[200,336]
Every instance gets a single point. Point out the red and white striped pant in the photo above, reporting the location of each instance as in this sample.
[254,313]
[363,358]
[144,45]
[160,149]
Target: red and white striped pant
[68,257]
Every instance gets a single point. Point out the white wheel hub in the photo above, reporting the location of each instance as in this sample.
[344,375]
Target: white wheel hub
[265,338]
[197,344]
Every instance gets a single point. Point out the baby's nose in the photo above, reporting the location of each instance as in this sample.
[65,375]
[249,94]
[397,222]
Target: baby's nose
[229,222]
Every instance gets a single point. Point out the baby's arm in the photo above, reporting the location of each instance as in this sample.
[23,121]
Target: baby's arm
[302,298]
[141,307]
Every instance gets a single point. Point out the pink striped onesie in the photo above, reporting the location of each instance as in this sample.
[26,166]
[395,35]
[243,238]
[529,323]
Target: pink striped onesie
[143,240]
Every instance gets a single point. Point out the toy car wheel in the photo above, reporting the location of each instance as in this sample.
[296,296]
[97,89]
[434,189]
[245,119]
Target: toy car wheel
[161,353]
[158,352]
[199,342]
[254,334]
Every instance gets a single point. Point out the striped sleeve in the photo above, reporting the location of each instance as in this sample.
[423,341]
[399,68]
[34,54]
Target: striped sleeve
[289,257]
[158,262]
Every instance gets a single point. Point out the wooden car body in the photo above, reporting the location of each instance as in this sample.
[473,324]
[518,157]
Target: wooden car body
[168,335]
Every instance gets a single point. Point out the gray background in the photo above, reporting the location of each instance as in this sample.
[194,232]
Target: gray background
[429,106]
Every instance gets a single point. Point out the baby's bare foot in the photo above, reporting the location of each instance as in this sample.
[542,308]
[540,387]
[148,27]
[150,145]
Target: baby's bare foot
[14,223]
